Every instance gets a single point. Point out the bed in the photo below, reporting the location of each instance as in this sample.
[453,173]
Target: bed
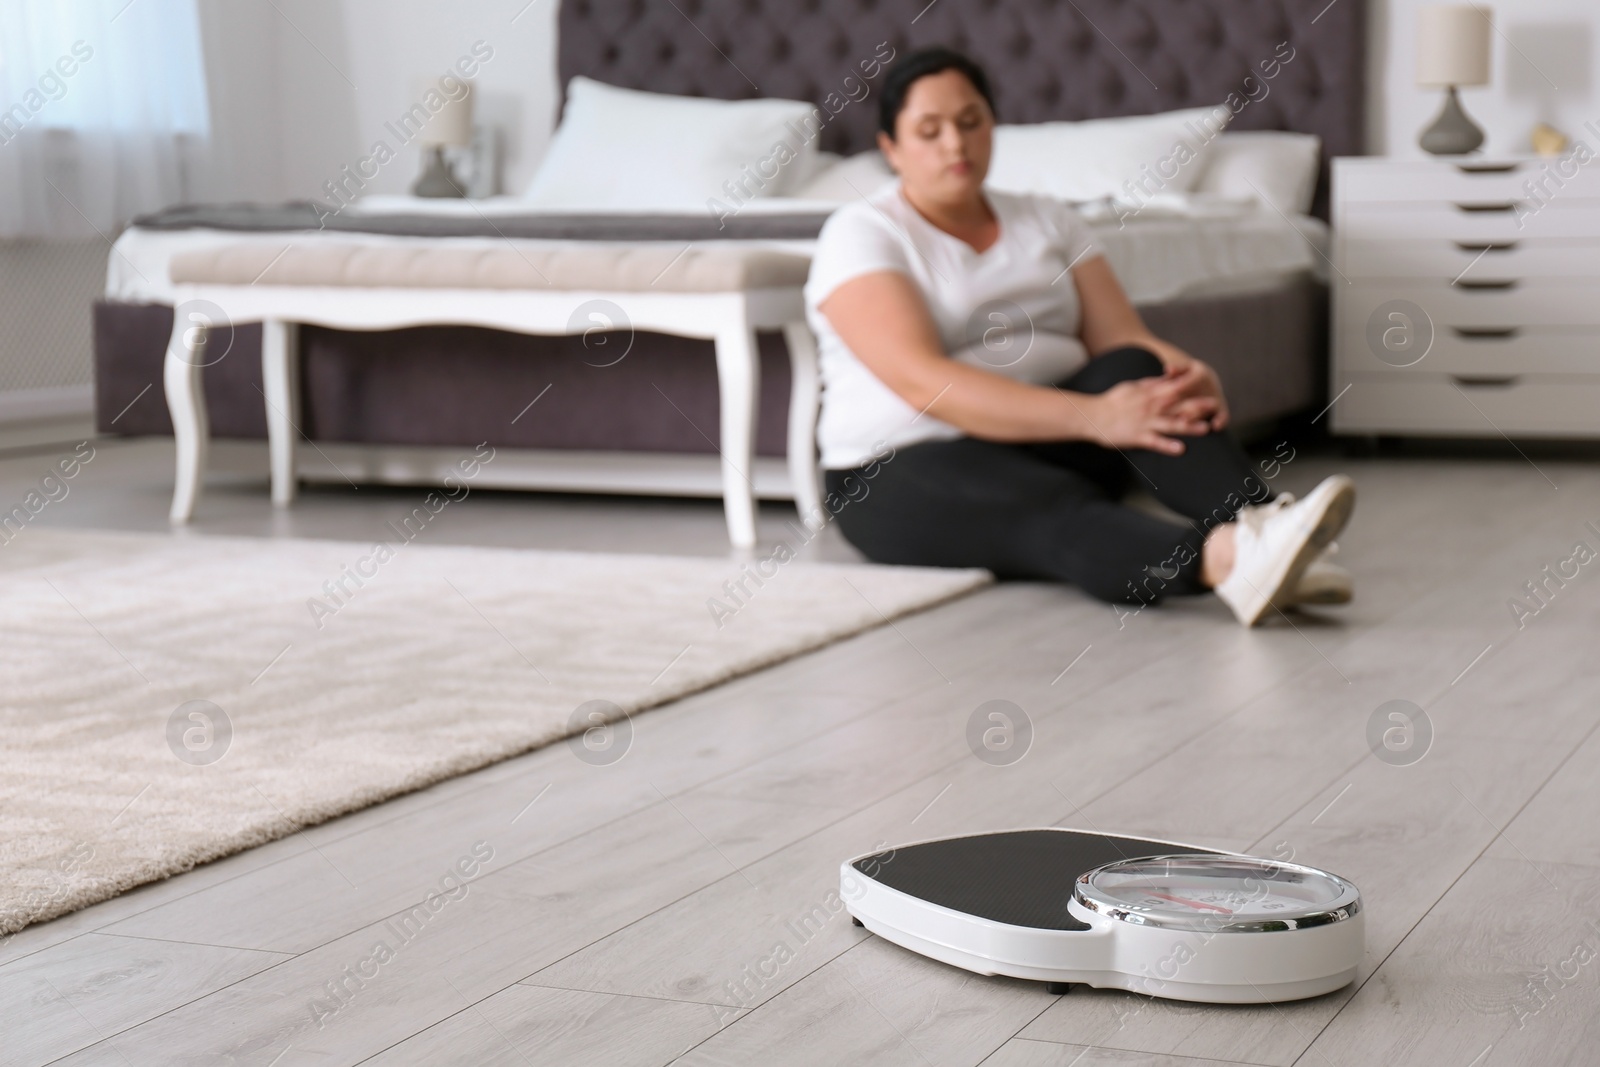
[1242,288]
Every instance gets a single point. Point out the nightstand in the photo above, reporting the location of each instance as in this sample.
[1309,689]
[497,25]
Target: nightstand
[1466,300]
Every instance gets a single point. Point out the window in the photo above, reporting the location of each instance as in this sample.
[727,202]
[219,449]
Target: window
[102,111]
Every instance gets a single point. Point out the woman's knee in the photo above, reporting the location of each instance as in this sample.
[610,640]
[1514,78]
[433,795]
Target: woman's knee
[1132,361]
[1118,365]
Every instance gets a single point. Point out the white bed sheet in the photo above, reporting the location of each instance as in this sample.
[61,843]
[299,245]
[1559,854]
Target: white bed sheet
[1164,252]
[499,206]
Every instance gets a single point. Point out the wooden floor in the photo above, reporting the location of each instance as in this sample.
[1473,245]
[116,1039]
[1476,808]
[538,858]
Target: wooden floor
[678,906]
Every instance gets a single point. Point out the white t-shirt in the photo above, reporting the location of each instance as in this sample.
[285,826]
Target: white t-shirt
[1012,309]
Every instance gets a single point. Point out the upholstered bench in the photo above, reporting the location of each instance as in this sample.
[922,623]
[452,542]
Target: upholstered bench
[714,291]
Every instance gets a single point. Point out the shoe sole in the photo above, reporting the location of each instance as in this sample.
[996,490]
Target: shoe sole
[1329,522]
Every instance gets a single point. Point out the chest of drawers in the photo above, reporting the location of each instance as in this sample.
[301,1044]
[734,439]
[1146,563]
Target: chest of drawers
[1466,297]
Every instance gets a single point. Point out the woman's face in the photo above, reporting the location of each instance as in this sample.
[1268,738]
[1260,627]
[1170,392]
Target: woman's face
[943,137]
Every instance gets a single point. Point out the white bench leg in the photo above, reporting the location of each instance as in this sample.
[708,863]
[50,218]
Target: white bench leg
[180,376]
[738,378]
[280,366]
[804,393]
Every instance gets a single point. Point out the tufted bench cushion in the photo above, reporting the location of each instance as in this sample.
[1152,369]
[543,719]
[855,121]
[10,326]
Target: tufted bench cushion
[663,267]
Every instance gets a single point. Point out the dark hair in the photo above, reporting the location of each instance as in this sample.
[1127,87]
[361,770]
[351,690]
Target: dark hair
[897,82]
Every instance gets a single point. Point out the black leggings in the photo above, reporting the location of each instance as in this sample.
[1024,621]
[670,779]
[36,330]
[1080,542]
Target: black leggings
[1050,510]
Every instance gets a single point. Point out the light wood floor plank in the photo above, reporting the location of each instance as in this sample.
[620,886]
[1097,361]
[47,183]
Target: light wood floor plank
[526,1025]
[343,1001]
[1562,823]
[73,995]
[1502,971]
[875,1009]
[1020,1052]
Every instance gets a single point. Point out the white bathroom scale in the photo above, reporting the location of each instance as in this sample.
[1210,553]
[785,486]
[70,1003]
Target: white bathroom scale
[1155,917]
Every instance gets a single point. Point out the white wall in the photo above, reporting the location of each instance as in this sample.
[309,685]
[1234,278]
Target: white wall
[302,88]
[241,44]
[1545,57]
[348,68]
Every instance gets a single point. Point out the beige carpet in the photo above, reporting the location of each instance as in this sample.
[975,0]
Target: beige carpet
[442,661]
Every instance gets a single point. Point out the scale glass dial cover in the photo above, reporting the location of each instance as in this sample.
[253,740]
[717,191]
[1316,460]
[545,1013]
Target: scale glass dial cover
[1217,894]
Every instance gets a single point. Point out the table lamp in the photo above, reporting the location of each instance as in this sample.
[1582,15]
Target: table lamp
[1452,50]
[450,126]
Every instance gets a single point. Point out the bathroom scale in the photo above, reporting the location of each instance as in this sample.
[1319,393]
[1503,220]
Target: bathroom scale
[1155,917]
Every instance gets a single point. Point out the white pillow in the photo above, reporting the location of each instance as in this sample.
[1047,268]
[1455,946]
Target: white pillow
[807,169]
[1276,165]
[1095,159]
[622,148]
[848,179]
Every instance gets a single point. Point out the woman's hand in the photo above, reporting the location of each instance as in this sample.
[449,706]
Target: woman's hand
[1149,413]
[1110,322]
[1194,377]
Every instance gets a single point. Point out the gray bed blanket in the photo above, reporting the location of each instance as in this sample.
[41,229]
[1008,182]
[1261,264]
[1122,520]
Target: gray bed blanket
[306,215]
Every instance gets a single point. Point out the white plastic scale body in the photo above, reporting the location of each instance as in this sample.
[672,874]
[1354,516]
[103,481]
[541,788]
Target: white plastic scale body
[1154,917]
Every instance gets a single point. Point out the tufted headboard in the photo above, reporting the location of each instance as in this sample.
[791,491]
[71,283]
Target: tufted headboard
[1046,59]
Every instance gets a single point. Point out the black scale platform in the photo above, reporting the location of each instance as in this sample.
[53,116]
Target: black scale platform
[1020,877]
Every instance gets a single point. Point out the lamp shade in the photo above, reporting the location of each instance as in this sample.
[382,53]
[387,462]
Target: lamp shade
[449,101]
[1452,45]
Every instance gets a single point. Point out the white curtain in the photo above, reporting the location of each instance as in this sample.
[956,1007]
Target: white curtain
[103,112]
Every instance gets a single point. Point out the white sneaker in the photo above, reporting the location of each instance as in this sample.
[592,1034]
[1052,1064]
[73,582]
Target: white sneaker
[1274,543]
[1324,581]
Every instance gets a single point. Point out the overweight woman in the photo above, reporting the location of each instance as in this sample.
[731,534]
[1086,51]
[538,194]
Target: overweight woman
[984,369]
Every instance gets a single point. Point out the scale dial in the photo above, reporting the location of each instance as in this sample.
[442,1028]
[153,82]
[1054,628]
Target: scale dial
[1217,894]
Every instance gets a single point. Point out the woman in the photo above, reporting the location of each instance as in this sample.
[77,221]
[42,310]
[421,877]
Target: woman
[983,367]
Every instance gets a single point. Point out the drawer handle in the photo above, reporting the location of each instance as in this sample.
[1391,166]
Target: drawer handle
[1486,168]
[1487,284]
[1485,381]
[1503,207]
[1486,333]
[1486,246]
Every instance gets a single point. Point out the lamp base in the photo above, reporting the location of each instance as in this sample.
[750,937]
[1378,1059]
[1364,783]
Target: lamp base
[437,179]
[1452,133]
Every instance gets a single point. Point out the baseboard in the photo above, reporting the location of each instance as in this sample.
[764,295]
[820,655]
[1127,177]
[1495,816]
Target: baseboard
[558,470]
[57,402]
[31,419]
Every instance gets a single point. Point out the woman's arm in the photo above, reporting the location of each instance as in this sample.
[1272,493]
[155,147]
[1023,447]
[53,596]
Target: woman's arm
[882,319]
[1111,321]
